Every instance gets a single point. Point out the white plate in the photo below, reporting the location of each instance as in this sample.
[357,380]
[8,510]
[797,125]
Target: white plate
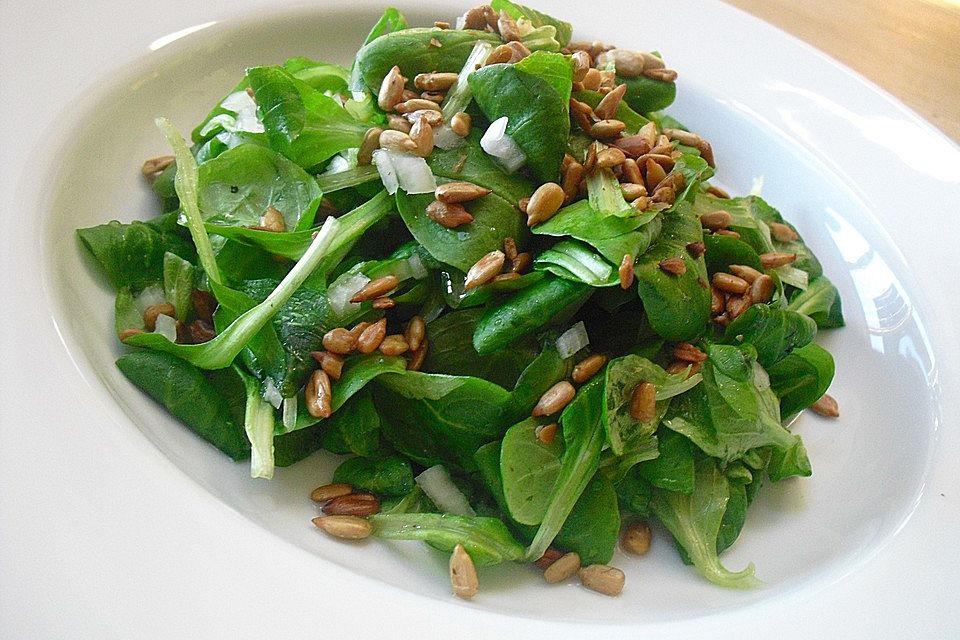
[101,536]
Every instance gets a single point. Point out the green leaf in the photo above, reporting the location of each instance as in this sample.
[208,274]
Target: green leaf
[237,187]
[821,302]
[178,275]
[471,163]
[773,332]
[359,371]
[593,527]
[556,69]
[494,220]
[132,255]
[645,94]
[695,519]
[537,114]
[529,469]
[412,51]
[356,425]
[621,377]
[543,372]
[527,310]
[673,468]
[202,403]
[485,539]
[678,307]
[577,261]
[723,251]
[434,419]
[382,475]
[302,123]
[801,378]
[583,436]
[613,236]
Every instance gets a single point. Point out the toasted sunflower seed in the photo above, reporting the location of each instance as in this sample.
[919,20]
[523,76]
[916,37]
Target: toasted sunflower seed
[554,399]
[632,191]
[664,194]
[729,283]
[460,123]
[151,313]
[499,55]
[715,220]
[416,330]
[330,491]
[688,353]
[761,289]
[371,142]
[415,104]
[422,135]
[394,345]
[329,362]
[154,166]
[581,64]
[674,265]
[418,356]
[339,341]
[738,304]
[391,89]
[571,180]
[397,141]
[602,579]
[383,303]
[718,302]
[782,232]
[318,394]
[610,103]
[606,129]
[826,406]
[521,262]
[588,367]
[346,527]
[728,232]
[655,174]
[547,432]
[636,539]
[434,96]
[591,80]
[696,249]
[634,146]
[397,123]
[717,192]
[372,336]
[463,574]
[562,568]
[544,203]
[507,27]
[776,259]
[485,270]
[630,172]
[437,81]
[610,157]
[549,556]
[432,117]
[643,402]
[354,504]
[626,271]
[664,75]
[475,18]
[451,192]
[743,271]
[376,288]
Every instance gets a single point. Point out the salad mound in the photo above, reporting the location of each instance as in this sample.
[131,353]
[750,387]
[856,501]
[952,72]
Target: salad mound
[485,265]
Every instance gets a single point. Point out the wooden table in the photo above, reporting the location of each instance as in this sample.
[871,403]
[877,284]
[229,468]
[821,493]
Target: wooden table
[911,48]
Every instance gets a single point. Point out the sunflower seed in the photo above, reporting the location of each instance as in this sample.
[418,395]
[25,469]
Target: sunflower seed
[581,64]
[329,362]
[588,367]
[318,394]
[397,141]
[383,303]
[500,55]
[729,283]
[416,330]
[391,89]
[562,568]
[422,135]
[376,288]
[610,103]
[475,18]
[554,399]
[460,124]
[602,579]
[761,289]
[485,270]
[663,75]
[696,249]
[606,129]
[728,232]
[437,81]
[826,406]
[718,302]
[738,304]
[717,192]
[544,203]
[610,157]
[432,117]
[636,539]
[654,174]
[688,353]
[632,191]
[346,527]
[463,574]
[626,271]
[571,180]
[151,313]
[743,271]
[591,80]
[339,341]
[629,64]
[630,172]
[418,356]
[359,328]
[633,146]
[415,104]
[354,504]
[674,265]
[782,232]
[330,491]
[547,432]
[643,402]
[397,123]
[521,262]
[372,336]
[715,220]
[434,96]
[154,166]
[371,142]
[776,259]
[549,556]
[451,192]
[394,345]
[507,27]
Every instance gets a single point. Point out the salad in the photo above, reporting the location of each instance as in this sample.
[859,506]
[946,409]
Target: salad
[485,265]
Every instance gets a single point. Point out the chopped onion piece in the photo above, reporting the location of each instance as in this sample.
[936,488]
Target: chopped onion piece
[572,340]
[461,22]
[795,277]
[338,164]
[417,270]
[167,327]
[498,144]
[150,296]
[757,186]
[438,486]
[444,138]
[289,413]
[271,394]
[404,171]
[342,290]
[245,120]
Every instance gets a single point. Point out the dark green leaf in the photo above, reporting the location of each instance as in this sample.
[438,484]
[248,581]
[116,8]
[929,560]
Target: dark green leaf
[536,18]
[382,475]
[821,301]
[801,378]
[529,469]
[644,94]
[673,468]
[593,526]
[773,332]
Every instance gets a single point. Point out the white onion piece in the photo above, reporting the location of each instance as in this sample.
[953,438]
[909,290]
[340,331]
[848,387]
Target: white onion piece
[461,22]
[572,340]
[167,327]
[150,296]
[413,173]
[338,164]
[272,395]
[342,290]
[757,186]
[245,120]
[417,270]
[498,144]
[388,174]
[289,413]
[794,277]
[444,138]
[438,486]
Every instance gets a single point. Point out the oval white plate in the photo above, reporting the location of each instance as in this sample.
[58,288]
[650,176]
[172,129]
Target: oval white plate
[119,538]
